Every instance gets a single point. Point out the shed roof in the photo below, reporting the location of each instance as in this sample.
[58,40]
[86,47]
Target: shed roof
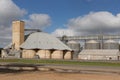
[99,52]
[41,40]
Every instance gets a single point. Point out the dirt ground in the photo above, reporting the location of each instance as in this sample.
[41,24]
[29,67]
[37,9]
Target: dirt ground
[38,75]
[58,72]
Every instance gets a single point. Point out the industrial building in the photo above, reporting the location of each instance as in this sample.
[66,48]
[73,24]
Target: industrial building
[35,45]
[93,51]
[101,47]
[97,54]
[42,45]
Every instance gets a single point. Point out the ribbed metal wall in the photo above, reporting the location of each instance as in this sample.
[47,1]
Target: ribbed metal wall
[75,46]
[110,44]
[92,44]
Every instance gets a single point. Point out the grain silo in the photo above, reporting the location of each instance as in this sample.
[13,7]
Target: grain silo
[68,55]
[44,54]
[45,45]
[48,54]
[35,45]
[28,53]
[17,34]
[41,54]
[110,44]
[57,54]
[75,46]
[92,44]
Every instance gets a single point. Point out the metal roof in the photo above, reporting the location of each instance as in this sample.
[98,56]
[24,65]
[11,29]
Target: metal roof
[110,41]
[92,41]
[73,42]
[41,40]
[8,46]
[99,52]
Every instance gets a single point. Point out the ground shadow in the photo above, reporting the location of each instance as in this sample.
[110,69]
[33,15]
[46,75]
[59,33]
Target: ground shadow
[17,68]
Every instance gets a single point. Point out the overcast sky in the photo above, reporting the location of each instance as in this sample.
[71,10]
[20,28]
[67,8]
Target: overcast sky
[61,17]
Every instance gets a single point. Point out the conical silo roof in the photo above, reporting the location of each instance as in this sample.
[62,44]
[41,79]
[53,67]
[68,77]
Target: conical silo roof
[91,41]
[72,42]
[110,41]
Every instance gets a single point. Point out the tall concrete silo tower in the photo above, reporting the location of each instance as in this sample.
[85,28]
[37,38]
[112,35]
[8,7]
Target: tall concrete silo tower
[17,34]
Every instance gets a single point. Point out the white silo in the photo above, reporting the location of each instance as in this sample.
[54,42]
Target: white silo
[110,44]
[92,44]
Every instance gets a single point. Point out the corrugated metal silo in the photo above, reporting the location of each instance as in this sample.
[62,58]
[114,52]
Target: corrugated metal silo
[111,44]
[75,46]
[92,44]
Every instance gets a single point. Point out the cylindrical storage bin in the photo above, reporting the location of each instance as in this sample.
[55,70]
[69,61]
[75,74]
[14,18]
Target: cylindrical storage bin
[44,54]
[68,55]
[92,44]
[75,46]
[41,54]
[111,44]
[48,54]
[28,54]
[57,54]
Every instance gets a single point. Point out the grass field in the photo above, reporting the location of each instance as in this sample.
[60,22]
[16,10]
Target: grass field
[41,61]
